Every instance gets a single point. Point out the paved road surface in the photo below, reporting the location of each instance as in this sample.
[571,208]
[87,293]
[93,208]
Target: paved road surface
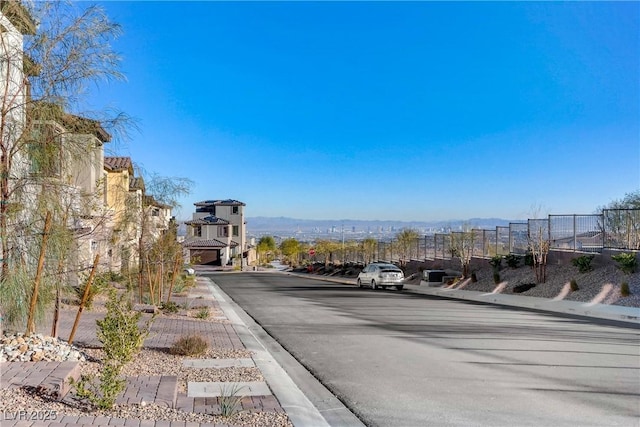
[398,359]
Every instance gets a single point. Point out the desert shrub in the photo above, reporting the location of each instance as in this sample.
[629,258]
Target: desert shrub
[513,261]
[203,313]
[496,277]
[179,287]
[102,394]
[496,262]
[583,263]
[574,285]
[528,259]
[190,345]
[189,281]
[121,337]
[627,261]
[114,276]
[624,289]
[119,332]
[230,400]
[169,307]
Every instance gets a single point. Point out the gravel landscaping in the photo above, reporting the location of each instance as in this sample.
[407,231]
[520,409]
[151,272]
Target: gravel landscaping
[601,285]
[149,362]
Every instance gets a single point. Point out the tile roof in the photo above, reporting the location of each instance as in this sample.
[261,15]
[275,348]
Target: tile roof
[118,164]
[209,220]
[227,202]
[85,125]
[204,243]
[151,201]
[136,183]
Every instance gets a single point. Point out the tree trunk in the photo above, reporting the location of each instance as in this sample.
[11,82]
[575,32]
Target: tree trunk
[85,296]
[31,322]
[176,267]
[4,207]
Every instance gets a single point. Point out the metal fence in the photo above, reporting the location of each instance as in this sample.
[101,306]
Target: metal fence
[613,229]
[578,233]
[621,228]
[590,233]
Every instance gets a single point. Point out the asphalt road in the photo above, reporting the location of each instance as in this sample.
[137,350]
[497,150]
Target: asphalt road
[399,359]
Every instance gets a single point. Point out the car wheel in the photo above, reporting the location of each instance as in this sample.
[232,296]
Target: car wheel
[359,283]
[400,287]
[373,285]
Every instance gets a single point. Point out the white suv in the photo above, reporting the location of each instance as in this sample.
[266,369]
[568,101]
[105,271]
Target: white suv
[381,275]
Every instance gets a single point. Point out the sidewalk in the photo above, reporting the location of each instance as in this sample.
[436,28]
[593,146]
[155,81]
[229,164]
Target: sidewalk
[228,332]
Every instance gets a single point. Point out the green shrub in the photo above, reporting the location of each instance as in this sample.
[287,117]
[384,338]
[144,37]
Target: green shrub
[122,338]
[513,261]
[574,285]
[169,307]
[119,332]
[624,289]
[528,259]
[114,276]
[496,262]
[191,345]
[203,313]
[104,393]
[627,261]
[583,263]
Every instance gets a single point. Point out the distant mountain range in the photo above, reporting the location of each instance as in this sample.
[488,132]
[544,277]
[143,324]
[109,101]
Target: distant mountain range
[261,224]
[354,228]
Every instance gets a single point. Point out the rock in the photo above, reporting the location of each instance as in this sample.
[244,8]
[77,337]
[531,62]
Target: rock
[37,348]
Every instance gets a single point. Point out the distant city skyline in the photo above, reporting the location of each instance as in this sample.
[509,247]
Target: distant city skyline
[411,111]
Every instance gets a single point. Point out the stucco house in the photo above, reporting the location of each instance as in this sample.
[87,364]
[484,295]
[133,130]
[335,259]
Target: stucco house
[217,233]
[136,218]
[124,193]
[15,68]
[64,178]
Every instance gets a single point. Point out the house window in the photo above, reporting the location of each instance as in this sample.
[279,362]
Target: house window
[197,231]
[94,246]
[155,212]
[235,210]
[236,230]
[223,231]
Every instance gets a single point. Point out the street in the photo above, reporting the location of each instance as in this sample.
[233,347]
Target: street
[401,359]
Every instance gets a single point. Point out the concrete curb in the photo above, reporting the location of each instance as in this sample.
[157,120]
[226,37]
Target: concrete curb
[597,311]
[300,409]
[616,313]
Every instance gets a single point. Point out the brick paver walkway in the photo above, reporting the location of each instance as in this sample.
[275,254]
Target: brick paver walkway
[162,390]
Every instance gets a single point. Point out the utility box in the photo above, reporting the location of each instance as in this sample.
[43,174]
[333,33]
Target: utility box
[433,276]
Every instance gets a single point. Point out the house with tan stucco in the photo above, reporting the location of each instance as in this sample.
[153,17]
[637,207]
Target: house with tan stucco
[137,219]
[217,233]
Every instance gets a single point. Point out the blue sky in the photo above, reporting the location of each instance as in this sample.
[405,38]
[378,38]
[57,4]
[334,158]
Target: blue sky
[384,110]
